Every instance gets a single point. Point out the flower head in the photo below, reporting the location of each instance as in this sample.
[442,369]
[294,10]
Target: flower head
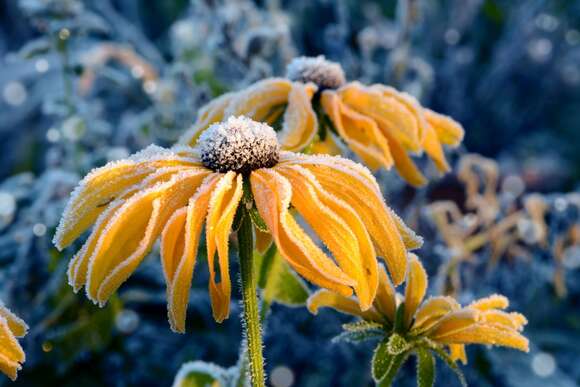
[171,194]
[11,354]
[435,322]
[318,70]
[314,104]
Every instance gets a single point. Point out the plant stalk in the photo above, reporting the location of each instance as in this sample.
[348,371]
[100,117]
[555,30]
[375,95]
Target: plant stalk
[251,315]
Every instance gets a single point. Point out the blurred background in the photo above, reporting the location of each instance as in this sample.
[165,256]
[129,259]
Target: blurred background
[86,82]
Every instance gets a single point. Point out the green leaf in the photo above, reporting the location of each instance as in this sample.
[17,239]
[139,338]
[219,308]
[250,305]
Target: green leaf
[397,344]
[357,337]
[201,374]
[385,366]
[425,368]
[279,282]
[362,325]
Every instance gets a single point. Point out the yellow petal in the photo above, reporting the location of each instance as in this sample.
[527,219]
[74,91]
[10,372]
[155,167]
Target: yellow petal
[103,185]
[16,325]
[339,227]
[410,102]
[500,319]
[386,300]
[179,245]
[488,335]
[328,299]
[258,100]
[448,130]
[209,114]
[356,186]
[391,115]
[453,323]
[263,240]
[272,194]
[457,352]
[495,301]
[300,123]
[78,267]
[328,146]
[404,164]
[415,289]
[11,353]
[432,311]
[222,209]
[434,149]
[359,132]
[131,232]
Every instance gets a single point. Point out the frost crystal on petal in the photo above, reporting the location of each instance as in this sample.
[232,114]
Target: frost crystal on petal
[240,145]
[318,70]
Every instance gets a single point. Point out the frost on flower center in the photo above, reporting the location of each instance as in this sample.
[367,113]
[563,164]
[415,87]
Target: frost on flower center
[324,73]
[240,145]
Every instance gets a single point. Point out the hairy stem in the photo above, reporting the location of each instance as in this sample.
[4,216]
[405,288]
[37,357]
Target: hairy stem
[251,315]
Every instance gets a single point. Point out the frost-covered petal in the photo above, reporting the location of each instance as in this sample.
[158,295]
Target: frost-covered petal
[272,194]
[488,335]
[355,185]
[432,311]
[415,288]
[404,165]
[453,323]
[16,325]
[449,131]
[179,246]
[300,122]
[328,299]
[495,301]
[131,232]
[386,300]
[210,113]
[11,353]
[222,208]
[260,100]
[103,185]
[457,352]
[434,149]
[359,132]
[339,227]
[391,115]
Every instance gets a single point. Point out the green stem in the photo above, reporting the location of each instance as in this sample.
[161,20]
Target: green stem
[250,301]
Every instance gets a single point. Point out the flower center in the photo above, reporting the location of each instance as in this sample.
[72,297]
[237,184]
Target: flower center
[324,73]
[240,145]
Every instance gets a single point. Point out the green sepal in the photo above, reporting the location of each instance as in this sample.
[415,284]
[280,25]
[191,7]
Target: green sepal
[396,344]
[359,331]
[425,368]
[399,324]
[450,363]
[386,366]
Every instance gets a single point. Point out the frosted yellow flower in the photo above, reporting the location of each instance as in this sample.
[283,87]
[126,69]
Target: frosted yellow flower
[11,354]
[172,193]
[435,322]
[314,103]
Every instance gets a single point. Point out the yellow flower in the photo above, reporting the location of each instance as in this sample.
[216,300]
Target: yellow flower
[439,321]
[314,103]
[11,353]
[171,194]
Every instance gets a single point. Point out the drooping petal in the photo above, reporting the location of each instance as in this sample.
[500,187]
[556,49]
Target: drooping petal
[300,122]
[211,113]
[404,164]
[222,208]
[486,334]
[103,185]
[432,311]
[434,149]
[16,325]
[11,353]
[328,299]
[263,240]
[386,300]
[449,131]
[391,115]
[133,229]
[356,186]
[179,245]
[457,352]
[339,227]
[258,100]
[415,288]
[272,194]
[360,133]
